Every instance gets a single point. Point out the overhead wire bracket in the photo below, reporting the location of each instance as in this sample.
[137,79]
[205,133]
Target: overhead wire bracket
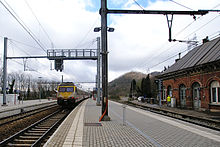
[169,23]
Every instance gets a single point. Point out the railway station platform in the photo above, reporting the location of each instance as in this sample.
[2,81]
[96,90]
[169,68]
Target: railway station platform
[11,108]
[187,112]
[140,128]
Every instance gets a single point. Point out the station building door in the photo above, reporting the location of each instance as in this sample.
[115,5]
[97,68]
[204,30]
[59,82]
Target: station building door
[196,95]
[182,94]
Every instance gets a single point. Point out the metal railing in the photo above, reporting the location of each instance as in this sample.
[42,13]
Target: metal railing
[70,54]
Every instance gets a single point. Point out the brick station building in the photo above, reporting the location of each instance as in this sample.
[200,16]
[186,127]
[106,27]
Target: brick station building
[194,80]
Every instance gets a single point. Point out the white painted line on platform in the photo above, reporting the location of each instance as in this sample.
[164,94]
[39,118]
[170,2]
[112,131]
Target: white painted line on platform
[70,136]
[76,130]
[176,124]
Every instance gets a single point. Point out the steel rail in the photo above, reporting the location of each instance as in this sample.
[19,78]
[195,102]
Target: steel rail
[38,110]
[8,140]
[39,141]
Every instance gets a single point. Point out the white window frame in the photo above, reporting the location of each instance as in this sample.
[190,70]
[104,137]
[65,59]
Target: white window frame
[164,97]
[216,85]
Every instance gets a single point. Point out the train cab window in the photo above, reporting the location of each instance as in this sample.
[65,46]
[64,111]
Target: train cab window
[62,89]
[69,89]
[75,89]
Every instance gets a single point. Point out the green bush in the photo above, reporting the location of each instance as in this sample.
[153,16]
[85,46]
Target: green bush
[114,97]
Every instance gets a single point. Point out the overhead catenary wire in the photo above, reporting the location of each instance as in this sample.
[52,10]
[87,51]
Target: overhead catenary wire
[39,23]
[178,53]
[138,4]
[24,43]
[31,69]
[12,43]
[30,33]
[181,5]
[149,59]
[89,31]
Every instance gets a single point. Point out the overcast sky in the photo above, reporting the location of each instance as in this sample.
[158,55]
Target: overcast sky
[139,42]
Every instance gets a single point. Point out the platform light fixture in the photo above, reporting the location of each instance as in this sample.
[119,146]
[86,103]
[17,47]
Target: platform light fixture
[110,29]
[97,29]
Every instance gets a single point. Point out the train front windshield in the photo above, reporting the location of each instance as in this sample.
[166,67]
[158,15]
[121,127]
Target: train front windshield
[66,89]
[69,89]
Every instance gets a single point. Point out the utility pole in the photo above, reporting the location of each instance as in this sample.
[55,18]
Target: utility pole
[103,13]
[5,70]
[98,72]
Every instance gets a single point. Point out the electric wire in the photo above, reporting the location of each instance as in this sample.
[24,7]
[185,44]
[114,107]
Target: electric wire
[204,25]
[25,44]
[144,64]
[175,55]
[138,4]
[11,43]
[23,25]
[39,22]
[32,69]
[181,5]
[86,35]
[167,59]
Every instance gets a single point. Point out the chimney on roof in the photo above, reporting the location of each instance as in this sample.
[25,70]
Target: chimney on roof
[178,58]
[205,40]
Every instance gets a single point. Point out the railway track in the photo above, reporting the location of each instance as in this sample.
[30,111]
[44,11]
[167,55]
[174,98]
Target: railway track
[23,114]
[37,133]
[205,122]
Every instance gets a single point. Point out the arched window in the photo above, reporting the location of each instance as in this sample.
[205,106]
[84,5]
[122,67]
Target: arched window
[215,92]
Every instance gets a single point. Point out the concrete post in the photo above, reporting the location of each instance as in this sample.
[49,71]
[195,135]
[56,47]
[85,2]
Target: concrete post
[5,70]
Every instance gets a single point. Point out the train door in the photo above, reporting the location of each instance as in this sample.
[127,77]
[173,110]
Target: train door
[182,94]
[196,96]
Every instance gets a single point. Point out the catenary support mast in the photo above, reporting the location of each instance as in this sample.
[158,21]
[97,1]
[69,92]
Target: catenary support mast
[103,12]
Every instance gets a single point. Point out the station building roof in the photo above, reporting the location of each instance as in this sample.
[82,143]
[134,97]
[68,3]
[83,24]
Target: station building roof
[207,53]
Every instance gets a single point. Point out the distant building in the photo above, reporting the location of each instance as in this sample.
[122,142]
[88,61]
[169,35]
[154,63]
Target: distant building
[194,80]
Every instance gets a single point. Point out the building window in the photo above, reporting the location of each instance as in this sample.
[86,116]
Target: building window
[215,92]
[169,91]
[164,94]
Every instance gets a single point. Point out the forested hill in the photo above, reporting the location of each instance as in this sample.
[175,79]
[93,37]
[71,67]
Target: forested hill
[121,85]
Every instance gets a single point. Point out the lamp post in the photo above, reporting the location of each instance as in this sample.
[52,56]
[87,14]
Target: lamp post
[104,53]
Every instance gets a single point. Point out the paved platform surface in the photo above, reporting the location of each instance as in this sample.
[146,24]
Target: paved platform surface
[141,128]
[73,132]
[12,108]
